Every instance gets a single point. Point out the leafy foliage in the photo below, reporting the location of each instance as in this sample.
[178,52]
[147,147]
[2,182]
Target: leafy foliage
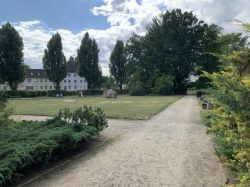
[54,61]
[230,121]
[177,45]
[108,82]
[4,113]
[26,143]
[117,64]
[87,59]
[163,85]
[12,68]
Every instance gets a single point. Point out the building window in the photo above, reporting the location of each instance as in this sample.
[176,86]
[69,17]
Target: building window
[50,87]
[45,80]
[69,81]
[75,87]
[29,87]
[36,80]
[74,74]
[81,81]
[29,80]
[41,80]
[31,74]
[45,87]
[69,87]
[68,75]
[75,81]
[65,81]
[41,87]
[65,88]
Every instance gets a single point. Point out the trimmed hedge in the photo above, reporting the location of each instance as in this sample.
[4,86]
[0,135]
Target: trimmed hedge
[52,93]
[29,143]
[92,92]
[123,92]
[137,92]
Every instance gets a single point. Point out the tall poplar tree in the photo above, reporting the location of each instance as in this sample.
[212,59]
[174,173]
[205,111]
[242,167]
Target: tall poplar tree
[54,61]
[12,68]
[87,59]
[117,64]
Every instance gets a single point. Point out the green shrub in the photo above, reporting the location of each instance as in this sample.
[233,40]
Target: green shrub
[92,92]
[163,85]
[4,113]
[123,92]
[137,90]
[27,143]
[230,120]
[50,93]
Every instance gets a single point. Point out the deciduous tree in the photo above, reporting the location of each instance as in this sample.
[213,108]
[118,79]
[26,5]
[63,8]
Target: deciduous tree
[87,59]
[117,64]
[12,69]
[54,61]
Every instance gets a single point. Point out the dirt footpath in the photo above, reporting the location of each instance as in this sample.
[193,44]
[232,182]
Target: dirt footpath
[171,149]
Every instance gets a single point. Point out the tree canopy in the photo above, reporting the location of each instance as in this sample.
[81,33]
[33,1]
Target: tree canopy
[176,44]
[117,64]
[87,59]
[12,68]
[54,61]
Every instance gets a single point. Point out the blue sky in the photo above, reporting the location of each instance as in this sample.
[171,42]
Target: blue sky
[105,20]
[73,15]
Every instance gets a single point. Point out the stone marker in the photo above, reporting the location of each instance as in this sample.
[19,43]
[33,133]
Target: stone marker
[111,93]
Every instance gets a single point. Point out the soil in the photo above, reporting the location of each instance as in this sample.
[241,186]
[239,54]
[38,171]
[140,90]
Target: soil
[170,149]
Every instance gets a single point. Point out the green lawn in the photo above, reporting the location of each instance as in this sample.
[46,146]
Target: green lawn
[124,107]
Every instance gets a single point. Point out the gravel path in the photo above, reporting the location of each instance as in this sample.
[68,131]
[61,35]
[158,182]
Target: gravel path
[171,149]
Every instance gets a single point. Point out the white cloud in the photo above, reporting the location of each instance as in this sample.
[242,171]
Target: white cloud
[126,16]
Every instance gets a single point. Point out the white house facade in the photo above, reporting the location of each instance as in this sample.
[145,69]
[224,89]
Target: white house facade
[37,80]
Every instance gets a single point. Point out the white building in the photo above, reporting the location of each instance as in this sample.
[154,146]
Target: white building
[37,80]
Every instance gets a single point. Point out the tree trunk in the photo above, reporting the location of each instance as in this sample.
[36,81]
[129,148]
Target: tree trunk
[57,86]
[13,85]
[120,87]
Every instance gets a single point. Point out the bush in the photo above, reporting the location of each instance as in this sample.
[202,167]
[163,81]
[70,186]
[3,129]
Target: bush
[29,143]
[163,85]
[92,92]
[50,93]
[53,93]
[123,92]
[230,120]
[4,113]
[137,90]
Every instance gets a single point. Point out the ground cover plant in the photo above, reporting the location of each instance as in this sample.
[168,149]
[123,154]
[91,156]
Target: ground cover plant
[124,107]
[27,143]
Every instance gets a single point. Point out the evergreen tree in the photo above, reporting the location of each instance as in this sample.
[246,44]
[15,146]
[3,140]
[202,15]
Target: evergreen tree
[12,69]
[87,59]
[117,64]
[54,61]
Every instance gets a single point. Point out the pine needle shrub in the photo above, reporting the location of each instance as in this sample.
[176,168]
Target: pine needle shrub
[27,143]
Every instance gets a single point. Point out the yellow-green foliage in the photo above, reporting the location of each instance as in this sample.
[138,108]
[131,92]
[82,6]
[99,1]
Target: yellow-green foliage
[230,120]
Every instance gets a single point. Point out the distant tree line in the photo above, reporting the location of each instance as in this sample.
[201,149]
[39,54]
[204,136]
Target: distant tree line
[12,68]
[176,45]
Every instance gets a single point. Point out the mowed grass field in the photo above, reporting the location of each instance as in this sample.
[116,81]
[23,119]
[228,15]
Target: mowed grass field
[124,107]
